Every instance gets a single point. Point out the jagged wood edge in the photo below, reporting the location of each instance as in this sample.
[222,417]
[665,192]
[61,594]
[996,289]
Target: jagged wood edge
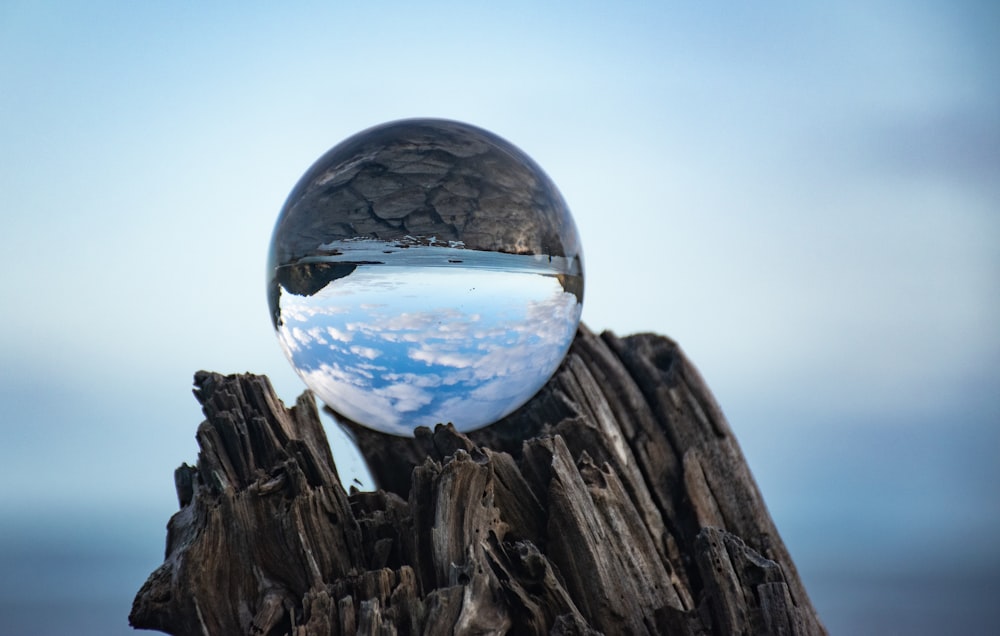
[638,440]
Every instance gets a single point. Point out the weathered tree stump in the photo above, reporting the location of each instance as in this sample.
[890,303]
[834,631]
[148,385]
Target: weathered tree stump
[616,501]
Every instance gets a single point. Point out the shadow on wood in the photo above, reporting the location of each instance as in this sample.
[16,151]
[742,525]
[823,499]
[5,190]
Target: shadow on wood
[616,501]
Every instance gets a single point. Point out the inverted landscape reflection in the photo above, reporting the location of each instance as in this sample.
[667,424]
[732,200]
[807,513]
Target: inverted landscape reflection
[425,271]
[405,338]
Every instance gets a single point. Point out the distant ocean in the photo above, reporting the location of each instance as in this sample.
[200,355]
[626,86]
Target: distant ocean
[76,579]
[892,526]
[63,582]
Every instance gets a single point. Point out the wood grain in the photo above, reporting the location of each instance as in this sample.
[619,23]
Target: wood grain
[616,501]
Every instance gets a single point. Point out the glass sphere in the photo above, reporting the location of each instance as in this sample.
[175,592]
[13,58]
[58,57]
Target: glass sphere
[425,271]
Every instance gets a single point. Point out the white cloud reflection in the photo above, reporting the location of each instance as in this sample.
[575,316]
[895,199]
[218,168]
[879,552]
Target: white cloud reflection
[365,352]
[337,334]
[449,349]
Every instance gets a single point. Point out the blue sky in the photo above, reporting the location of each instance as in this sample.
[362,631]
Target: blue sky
[805,198]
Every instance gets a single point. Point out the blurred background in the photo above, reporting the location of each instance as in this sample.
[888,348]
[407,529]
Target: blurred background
[806,198]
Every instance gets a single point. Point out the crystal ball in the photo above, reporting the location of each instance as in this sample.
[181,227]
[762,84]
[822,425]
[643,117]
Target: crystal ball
[425,271]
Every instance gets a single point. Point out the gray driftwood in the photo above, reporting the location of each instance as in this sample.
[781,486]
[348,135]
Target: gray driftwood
[617,501]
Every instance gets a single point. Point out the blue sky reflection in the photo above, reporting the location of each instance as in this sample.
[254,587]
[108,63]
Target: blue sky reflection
[399,347]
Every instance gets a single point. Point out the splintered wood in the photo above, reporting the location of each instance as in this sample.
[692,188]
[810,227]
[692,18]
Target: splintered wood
[615,502]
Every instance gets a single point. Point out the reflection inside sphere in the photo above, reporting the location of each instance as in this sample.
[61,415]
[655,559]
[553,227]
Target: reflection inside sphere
[404,345]
[422,272]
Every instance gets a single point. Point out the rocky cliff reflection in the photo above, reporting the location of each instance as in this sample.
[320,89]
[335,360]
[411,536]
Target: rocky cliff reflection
[425,271]
[425,336]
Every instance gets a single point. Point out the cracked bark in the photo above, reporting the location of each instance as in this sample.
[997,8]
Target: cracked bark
[616,501]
